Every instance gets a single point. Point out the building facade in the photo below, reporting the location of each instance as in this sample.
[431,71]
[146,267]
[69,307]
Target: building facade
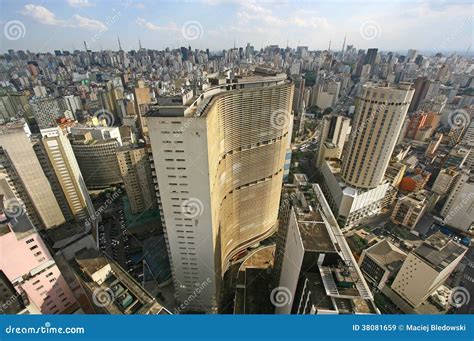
[219,166]
[379,117]
[135,169]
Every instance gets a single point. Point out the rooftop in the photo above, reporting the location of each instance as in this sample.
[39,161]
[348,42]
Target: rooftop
[387,254]
[127,296]
[199,104]
[439,250]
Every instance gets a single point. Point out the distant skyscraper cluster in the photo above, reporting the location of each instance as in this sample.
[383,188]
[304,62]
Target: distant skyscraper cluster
[272,180]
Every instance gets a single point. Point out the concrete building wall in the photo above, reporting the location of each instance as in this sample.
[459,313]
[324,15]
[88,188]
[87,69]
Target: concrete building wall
[231,159]
[30,177]
[28,264]
[379,117]
[292,262]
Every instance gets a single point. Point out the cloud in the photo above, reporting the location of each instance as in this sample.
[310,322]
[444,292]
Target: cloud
[308,19]
[80,3]
[42,15]
[152,27]
[88,24]
[46,17]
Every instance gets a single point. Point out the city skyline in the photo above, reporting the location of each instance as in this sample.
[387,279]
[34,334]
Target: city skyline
[388,26]
[333,177]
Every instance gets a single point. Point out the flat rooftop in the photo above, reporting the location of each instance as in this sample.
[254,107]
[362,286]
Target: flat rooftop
[128,297]
[315,236]
[439,250]
[199,104]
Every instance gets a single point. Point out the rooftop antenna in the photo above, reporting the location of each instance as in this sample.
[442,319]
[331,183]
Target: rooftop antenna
[120,45]
[343,46]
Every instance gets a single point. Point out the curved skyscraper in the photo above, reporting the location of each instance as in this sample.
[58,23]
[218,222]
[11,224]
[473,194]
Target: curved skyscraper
[219,166]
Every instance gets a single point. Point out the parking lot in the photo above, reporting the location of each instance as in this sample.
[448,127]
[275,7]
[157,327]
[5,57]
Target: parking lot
[114,240]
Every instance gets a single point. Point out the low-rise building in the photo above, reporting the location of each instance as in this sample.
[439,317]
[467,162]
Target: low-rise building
[381,262]
[410,208]
[426,268]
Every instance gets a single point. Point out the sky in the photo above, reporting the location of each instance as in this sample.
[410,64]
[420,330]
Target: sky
[395,25]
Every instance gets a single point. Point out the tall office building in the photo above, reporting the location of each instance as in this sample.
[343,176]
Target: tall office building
[458,211]
[59,163]
[380,113]
[135,168]
[219,168]
[421,86]
[71,103]
[22,175]
[318,273]
[468,142]
[28,265]
[46,111]
[371,58]
[333,135]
